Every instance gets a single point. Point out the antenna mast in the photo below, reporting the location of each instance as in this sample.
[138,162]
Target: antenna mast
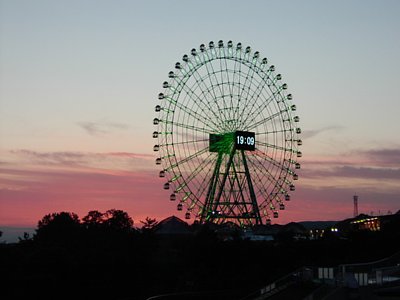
[355,199]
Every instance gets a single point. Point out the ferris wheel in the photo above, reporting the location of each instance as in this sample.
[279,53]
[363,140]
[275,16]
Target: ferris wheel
[227,136]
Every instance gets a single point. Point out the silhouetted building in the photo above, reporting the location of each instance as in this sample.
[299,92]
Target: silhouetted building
[365,222]
[172,226]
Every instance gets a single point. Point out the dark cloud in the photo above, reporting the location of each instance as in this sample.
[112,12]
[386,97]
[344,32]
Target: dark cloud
[313,132]
[101,128]
[353,172]
[111,160]
[387,156]
[366,172]
[377,164]
[92,128]
[65,158]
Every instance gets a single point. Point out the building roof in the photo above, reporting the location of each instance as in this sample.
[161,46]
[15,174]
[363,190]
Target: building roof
[173,226]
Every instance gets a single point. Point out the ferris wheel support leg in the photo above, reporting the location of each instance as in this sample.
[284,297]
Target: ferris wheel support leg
[253,198]
[216,201]
[205,215]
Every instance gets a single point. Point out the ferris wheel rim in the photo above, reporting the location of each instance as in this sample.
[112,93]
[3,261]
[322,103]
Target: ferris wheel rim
[179,115]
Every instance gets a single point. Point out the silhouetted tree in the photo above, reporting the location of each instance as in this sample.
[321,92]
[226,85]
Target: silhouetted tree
[61,219]
[149,223]
[25,238]
[118,220]
[62,227]
[93,219]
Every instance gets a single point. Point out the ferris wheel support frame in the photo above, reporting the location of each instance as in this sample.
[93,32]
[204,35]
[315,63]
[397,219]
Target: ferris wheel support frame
[211,213]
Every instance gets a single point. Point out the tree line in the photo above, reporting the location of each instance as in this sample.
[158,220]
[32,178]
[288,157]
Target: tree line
[103,256]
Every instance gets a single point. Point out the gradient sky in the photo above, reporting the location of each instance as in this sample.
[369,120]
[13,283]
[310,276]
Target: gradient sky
[79,81]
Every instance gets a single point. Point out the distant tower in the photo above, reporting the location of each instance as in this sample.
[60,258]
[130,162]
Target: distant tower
[355,199]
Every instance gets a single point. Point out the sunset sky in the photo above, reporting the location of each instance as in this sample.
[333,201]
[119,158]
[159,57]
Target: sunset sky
[79,81]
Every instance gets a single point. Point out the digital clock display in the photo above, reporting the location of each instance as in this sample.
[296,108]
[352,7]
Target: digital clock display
[245,140]
[241,140]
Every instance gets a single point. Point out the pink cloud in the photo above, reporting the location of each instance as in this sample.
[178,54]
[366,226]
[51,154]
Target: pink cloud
[130,155]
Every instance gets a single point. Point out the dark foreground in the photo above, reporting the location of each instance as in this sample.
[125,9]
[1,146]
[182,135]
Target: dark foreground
[144,265]
[103,256]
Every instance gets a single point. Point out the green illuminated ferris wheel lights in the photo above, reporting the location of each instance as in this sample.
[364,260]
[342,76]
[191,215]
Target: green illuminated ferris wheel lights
[227,135]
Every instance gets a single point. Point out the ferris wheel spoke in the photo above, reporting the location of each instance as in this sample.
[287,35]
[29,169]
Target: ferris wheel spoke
[229,92]
[278,182]
[201,167]
[201,116]
[204,107]
[218,85]
[246,82]
[267,119]
[204,183]
[184,143]
[222,71]
[247,107]
[233,87]
[197,116]
[199,100]
[186,126]
[237,71]
[207,61]
[283,130]
[257,165]
[274,162]
[230,84]
[187,159]
[246,85]
[259,171]
[251,116]
[272,146]
[262,83]
[247,97]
